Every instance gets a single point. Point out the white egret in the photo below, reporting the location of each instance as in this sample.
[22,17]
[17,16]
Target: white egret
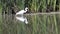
[22,11]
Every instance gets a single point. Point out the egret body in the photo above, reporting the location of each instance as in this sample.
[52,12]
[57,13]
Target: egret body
[22,11]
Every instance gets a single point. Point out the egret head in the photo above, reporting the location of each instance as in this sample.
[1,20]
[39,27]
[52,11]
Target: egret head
[26,9]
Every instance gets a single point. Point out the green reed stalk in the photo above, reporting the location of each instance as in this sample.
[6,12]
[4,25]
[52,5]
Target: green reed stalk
[34,25]
[54,4]
[48,2]
[44,20]
[44,6]
[20,3]
[33,6]
[55,24]
[59,6]
[0,24]
[40,23]
[48,20]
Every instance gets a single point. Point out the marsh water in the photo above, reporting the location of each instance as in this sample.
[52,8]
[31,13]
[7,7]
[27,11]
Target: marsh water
[30,24]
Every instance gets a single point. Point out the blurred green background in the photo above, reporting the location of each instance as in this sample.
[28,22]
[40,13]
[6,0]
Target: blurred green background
[34,5]
[38,24]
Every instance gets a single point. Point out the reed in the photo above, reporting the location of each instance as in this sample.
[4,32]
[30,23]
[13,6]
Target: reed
[36,5]
[38,24]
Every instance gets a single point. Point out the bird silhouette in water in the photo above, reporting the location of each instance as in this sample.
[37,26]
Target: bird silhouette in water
[22,19]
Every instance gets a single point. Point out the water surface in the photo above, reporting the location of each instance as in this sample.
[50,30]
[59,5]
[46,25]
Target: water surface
[37,24]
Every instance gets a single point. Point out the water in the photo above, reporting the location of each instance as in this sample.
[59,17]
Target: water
[36,24]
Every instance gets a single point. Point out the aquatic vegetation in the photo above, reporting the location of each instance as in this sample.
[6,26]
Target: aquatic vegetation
[38,24]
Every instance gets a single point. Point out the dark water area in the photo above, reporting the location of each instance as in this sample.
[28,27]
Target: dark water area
[30,24]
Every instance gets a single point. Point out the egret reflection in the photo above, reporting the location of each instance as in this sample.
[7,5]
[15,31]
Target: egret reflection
[22,19]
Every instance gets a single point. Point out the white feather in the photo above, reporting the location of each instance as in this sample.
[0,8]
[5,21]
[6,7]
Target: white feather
[22,11]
